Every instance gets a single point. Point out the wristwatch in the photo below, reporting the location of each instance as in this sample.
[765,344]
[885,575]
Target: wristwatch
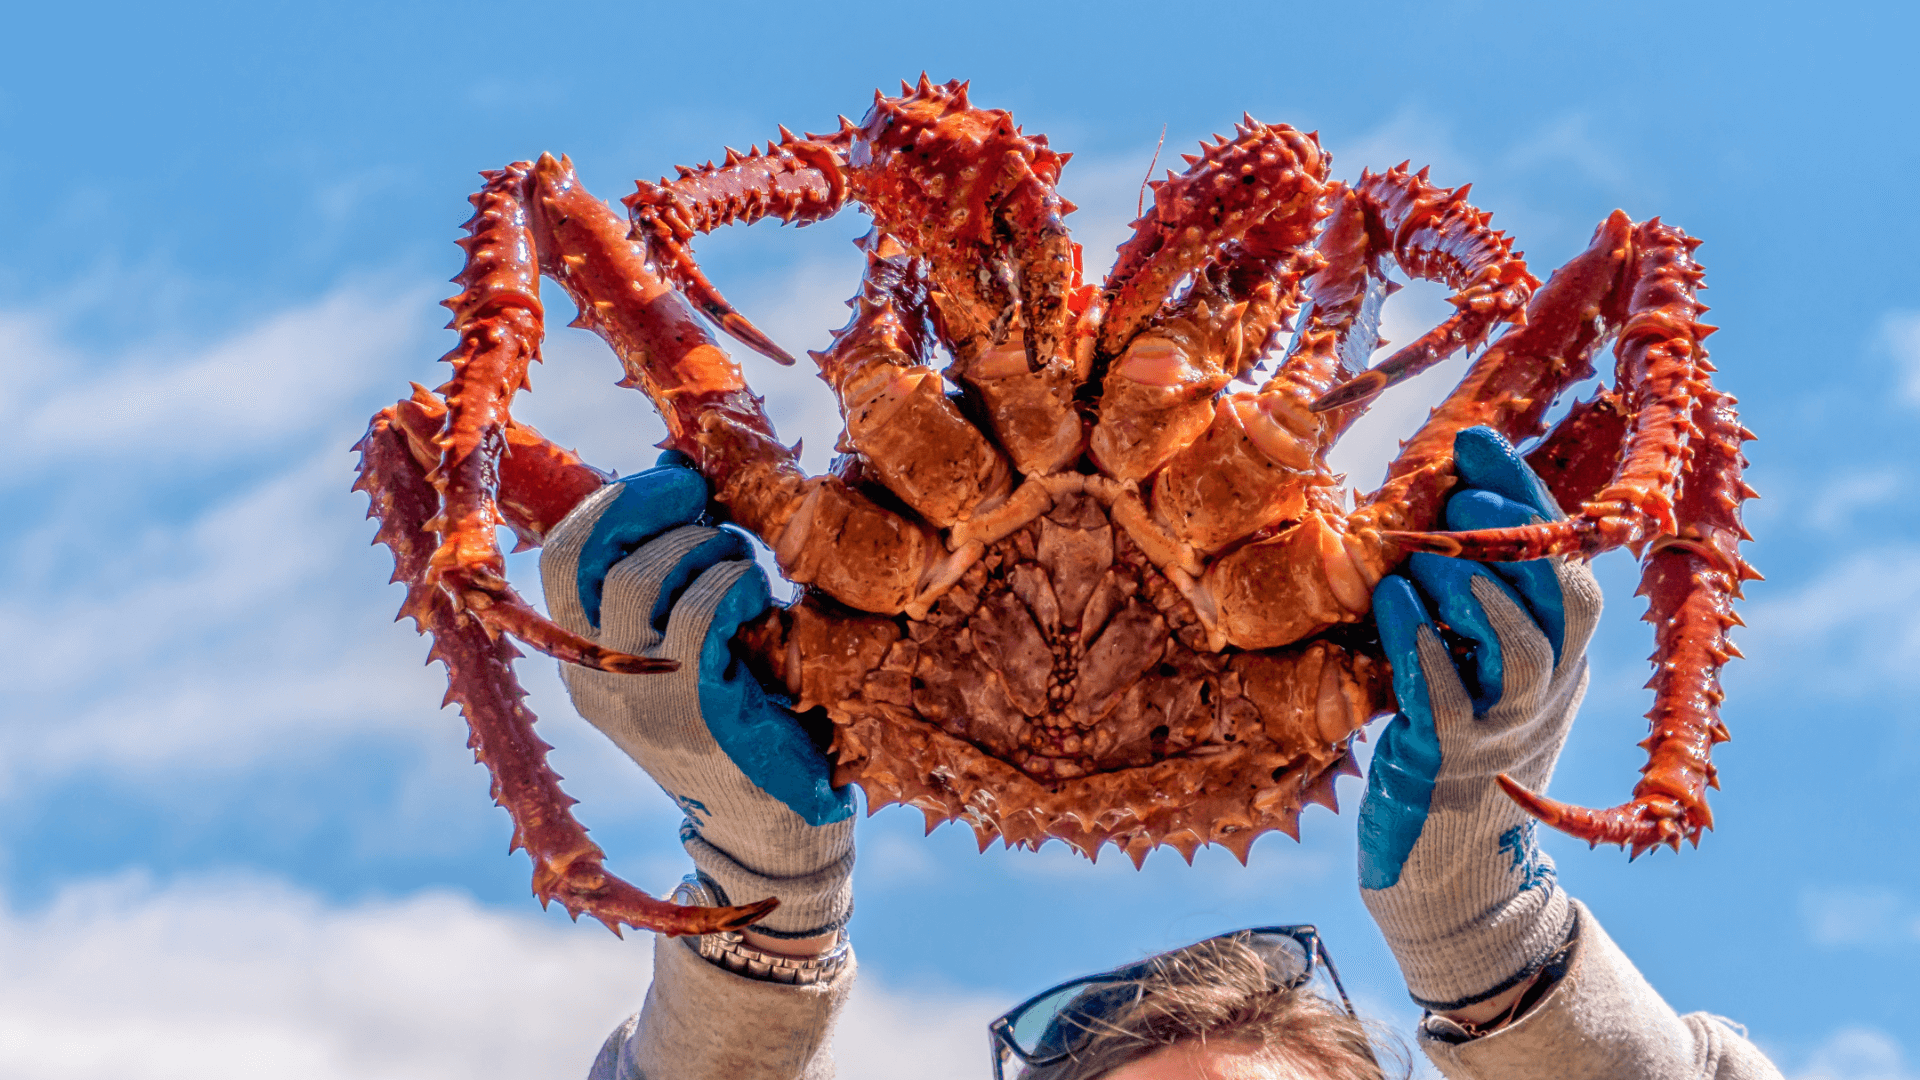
[729,949]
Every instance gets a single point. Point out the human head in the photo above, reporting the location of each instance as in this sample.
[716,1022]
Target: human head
[1219,996]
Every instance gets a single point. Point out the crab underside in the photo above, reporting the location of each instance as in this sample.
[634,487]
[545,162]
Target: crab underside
[1076,585]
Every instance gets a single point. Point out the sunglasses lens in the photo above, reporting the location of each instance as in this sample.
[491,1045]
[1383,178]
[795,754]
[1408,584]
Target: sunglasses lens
[1065,1019]
[1286,958]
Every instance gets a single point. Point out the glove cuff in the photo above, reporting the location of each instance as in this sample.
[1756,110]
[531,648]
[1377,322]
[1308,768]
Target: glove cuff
[1450,962]
[810,904]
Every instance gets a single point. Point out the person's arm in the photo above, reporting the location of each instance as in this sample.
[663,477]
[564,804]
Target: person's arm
[632,568]
[1518,980]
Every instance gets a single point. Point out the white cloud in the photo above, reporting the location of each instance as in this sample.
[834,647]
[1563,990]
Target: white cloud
[243,977]
[192,584]
[257,391]
[1837,500]
[1857,616]
[1569,140]
[1857,1053]
[1860,915]
[1900,335]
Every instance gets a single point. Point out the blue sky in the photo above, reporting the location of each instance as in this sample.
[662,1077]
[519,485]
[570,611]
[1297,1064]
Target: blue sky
[236,820]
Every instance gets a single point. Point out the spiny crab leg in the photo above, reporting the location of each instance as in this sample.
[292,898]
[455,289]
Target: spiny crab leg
[1682,434]
[915,164]
[1347,288]
[567,865]
[1435,233]
[823,531]
[1691,582]
[794,179]
[1229,188]
[498,316]
[1158,395]
[1662,366]
[540,482]
[965,188]
[901,427]
[1262,597]
[1565,460]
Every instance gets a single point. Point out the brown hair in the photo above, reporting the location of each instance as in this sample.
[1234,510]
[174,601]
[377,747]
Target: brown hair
[1221,990]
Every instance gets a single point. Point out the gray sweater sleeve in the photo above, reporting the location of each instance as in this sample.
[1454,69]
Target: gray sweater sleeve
[702,1022]
[1602,1020]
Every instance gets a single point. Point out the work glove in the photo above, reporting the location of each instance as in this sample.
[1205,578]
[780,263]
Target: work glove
[1449,865]
[631,569]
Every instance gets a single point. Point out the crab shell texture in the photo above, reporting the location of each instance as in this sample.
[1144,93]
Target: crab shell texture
[1078,585]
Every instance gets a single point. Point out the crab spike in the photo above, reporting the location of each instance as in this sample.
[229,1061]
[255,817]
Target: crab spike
[1186,842]
[1321,791]
[1241,841]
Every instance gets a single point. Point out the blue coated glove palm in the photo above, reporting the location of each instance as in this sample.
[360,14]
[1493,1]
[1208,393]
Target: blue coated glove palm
[1449,866]
[631,568]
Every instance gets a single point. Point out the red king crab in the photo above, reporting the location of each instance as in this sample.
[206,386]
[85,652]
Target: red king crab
[1077,586]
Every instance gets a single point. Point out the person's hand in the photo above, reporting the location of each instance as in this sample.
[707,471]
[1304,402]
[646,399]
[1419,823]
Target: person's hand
[631,569]
[1449,866]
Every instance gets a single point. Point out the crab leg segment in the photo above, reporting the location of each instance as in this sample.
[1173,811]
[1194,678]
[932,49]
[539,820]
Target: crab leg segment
[822,531]
[1691,581]
[1565,460]
[567,865]
[964,189]
[498,315]
[1158,396]
[794,180]
[959,186]
[540,482]
[1228,188]
[1675,420]
[1348,287]
[1321,571]
[898,417]
[1434,233]
[1659,374]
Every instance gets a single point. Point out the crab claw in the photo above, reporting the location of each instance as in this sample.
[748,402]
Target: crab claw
[1650,820]
[509,614]
[694,284]
[1576,536]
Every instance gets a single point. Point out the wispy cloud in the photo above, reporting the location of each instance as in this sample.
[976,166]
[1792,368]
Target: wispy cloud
[194,582]
[1853,626]
[1900,336]
[1857,1053]
[1860,915]
[255,393]
[1568,141]
[247,976]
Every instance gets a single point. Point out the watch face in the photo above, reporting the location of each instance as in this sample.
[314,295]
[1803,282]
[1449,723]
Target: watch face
[691,893]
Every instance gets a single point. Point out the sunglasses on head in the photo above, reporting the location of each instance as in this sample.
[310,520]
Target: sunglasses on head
[1058,1023]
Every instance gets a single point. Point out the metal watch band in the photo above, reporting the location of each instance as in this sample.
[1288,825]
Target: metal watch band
[729,950]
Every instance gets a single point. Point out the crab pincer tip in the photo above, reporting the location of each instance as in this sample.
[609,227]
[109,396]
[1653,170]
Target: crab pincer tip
[1538,806]
[737,326]
[629,664]
[1361,388]
[747,914]
[1436,543]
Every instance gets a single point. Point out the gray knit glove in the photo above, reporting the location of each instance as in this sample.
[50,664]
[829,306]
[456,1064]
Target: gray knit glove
[630,569]
[1449,866]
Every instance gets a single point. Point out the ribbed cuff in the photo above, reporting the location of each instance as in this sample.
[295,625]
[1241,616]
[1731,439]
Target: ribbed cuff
[1452,967]
[810,904]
